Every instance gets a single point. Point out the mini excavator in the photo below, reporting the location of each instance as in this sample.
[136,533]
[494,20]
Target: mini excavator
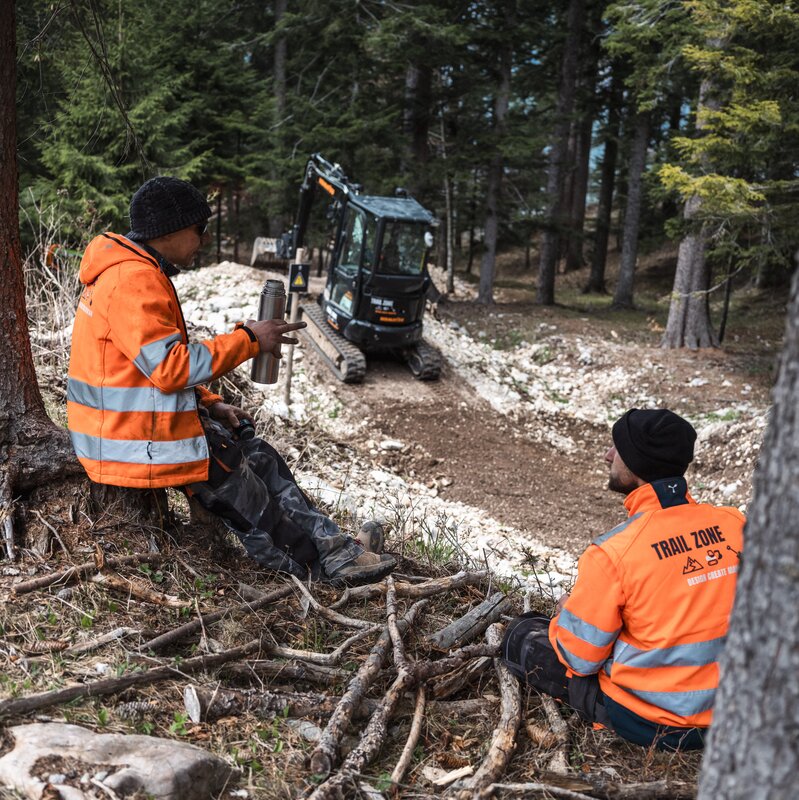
[377,278]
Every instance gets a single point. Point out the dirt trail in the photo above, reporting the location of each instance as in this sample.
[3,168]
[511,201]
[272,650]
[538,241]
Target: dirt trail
[557,498]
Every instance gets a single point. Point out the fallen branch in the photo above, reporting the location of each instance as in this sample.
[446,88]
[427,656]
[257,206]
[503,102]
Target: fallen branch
[196,625]
[371,741]
[412,591]
[82,570]
[471,624]
[290,671]
[503,741]
[94,644]
[137,589]
[52,530]
[327,659]
[451,684]
[325,754]
[328,613]
[203,704]
[530,789]
[23,705]
[413,737]
[430,669]
[559,763]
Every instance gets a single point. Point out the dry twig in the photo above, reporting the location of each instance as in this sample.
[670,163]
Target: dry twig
[413,591]
[35,702]
[197,625]
[65,576]
[328,613]
[503,742]
[559,763]
[325,754]
[413,737]
[137,589]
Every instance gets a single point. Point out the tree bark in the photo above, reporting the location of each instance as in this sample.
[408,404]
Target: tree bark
[279,93]
[689,324]
[752,751]
[485,292]
[689,318]
[557,152]
[623,297]
[582,152]
[32,450]
[607,185]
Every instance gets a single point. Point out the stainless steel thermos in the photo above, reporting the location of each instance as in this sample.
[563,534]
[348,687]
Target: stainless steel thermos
[273,306]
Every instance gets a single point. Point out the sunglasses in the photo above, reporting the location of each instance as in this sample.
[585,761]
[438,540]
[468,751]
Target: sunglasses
[201,229]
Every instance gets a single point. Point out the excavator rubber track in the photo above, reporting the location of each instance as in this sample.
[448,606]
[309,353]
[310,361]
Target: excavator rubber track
[424,361]
[346,361]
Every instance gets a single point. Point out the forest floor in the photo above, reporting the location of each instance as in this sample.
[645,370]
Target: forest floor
[497,464]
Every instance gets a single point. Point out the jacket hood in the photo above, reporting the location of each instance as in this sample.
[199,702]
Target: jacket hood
[106,251]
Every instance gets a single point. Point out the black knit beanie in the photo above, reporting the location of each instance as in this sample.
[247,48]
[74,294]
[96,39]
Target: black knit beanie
[654,443]
[163,205]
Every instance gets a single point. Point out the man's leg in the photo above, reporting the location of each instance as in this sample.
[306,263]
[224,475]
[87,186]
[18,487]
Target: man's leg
[275,521]
[335,548]
[528,653]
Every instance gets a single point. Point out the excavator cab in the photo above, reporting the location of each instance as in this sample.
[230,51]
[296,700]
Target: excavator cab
[374,297]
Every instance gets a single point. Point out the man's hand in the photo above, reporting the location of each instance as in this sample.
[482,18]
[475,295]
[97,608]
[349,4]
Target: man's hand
[271,333]
[228,415]
[561,603]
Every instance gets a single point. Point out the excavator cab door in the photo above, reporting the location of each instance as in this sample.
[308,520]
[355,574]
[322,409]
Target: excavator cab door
[344,281]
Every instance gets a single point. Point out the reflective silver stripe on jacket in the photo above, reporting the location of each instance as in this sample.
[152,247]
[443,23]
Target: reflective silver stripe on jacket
[138,451]
[134,398]
[585,630]
[685,704]
[696,654]
[200,364]
[580,664]
[152,355]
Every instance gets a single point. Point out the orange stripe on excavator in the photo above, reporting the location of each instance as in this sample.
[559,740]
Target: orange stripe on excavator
[326,186]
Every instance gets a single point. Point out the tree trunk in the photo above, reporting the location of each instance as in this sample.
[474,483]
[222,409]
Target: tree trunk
[574,249]
[279,93]
[416,124]
[33,451]
[485,293]
[623,298]
[689,319]
[563,109]
[689,312]
[752,752]
[607,184]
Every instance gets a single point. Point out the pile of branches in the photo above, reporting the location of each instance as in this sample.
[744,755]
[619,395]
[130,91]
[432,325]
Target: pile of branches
[387,652]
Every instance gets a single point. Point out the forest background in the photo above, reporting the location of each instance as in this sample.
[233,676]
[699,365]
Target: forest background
[508,119]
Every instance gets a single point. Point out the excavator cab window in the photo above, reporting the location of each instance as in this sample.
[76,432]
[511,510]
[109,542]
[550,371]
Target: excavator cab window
[358,242]
[403,250]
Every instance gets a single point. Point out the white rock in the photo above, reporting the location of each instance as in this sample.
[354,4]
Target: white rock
[143,765]
[391,444]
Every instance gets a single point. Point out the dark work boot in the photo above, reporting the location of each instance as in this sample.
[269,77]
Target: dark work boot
[371,537]
[367,568]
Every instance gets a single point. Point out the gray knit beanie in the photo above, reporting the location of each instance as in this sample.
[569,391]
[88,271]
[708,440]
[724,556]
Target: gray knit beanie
[163,205]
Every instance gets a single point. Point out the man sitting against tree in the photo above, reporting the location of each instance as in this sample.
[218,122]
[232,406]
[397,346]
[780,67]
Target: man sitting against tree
[635,646]
[140,417]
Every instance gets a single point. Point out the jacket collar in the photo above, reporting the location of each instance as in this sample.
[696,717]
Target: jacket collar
[663,493]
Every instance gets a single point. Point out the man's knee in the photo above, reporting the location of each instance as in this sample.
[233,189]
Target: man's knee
[528,654]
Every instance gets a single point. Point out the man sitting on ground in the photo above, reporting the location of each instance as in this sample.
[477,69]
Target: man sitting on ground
[140,417]
[635,646]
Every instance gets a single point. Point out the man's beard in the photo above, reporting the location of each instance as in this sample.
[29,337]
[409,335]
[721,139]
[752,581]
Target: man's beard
[616,484]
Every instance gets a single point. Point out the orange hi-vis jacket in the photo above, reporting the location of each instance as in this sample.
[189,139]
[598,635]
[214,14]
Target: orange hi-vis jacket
[134,379]
[650,607]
